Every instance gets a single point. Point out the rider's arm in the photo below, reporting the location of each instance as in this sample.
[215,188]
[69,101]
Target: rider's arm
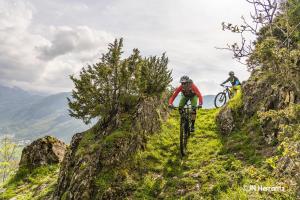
[226,81]
[198,93]
[171,100]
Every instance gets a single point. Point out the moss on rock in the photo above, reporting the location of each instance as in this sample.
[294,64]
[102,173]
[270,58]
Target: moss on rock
[26,184]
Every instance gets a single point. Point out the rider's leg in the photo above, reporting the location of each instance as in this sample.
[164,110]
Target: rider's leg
[237,89]
[182,102]
[232,91]
[194,101]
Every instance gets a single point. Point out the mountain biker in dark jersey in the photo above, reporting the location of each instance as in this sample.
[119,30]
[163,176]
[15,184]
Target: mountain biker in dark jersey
[235,82]
[189,92]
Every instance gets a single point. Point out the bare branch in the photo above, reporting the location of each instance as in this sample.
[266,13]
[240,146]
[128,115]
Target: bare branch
[263,15]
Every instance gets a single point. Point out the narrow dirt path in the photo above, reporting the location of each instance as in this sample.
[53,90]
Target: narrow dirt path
[210,170]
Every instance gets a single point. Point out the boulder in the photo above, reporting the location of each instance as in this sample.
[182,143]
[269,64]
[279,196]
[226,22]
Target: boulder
[225,121]
[43,151]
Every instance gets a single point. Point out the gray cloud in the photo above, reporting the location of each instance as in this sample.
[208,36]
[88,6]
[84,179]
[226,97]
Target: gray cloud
[63,43]
[17,53]
[42,57]
[73,40]
[56,38]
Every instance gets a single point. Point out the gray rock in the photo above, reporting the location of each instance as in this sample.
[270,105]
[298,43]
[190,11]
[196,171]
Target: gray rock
[225,121]
[43,151]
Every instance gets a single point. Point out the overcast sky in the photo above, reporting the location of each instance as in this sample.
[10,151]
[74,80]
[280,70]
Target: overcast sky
[43,42]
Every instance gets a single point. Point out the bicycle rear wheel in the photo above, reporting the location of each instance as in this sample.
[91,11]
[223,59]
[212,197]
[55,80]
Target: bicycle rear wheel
[220,99]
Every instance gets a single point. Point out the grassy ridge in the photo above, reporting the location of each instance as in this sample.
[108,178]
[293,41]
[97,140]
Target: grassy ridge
[37,184]
[215,167]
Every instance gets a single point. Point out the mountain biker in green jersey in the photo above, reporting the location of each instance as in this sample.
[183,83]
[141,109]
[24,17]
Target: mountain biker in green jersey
[235,82]
[189,92]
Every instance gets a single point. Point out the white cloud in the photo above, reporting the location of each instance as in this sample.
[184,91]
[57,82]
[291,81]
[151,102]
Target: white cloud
[14,15]
[17,50]
[42,57]
[45,41]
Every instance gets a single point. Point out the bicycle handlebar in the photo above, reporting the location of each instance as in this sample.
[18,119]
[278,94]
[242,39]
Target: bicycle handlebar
[189,106]
[226,86]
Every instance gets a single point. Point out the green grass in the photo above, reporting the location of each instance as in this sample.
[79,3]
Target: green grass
[35,184]
[237,101]
[214,168]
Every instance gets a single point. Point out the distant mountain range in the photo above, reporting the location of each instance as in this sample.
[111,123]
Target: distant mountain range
[29,116]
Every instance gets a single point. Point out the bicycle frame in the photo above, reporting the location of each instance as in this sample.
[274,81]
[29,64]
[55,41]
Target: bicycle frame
[186,111]
[227,91]
[185,121]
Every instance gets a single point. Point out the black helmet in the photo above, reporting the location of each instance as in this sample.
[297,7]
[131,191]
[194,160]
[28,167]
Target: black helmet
[184,79]
[231,73]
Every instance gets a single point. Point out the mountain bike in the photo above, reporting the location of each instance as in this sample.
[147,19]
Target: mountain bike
[185,127]
[222,97]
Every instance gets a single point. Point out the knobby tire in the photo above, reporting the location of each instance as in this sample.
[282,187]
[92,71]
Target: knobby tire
[220,95]
[182,137]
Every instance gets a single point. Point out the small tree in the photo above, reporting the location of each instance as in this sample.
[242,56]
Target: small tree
[116,85]
[8,161]
[276,26]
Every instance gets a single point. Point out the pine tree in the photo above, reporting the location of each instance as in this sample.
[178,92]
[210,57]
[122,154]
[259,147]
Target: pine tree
[115,85]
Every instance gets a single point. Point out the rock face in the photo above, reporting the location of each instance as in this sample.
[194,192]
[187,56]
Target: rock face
[288,166]
[271,106]
[225,121]
[43,151]
[263,92]
[270,97]
[104,148]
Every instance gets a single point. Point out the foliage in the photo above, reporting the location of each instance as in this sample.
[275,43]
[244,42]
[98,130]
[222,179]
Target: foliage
[214,168]
[115,85]
[237,101]
[277,31]
[36,184]
[287,123]
[8,155]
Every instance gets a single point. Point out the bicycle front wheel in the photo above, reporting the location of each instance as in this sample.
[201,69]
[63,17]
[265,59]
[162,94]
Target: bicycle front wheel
[220,99]
[182,138]
[186,133]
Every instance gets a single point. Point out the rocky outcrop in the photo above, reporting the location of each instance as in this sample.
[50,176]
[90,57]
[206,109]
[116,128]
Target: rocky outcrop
[288,166]
[273,122]
[106,147]
[265,91]
[271,107]
[225,121]
[43,151]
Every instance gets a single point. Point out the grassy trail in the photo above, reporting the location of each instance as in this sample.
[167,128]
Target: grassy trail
[212,169]
[215,167]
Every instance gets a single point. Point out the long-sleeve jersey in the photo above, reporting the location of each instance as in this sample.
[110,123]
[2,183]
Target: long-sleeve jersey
[233,80]
[194,89]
